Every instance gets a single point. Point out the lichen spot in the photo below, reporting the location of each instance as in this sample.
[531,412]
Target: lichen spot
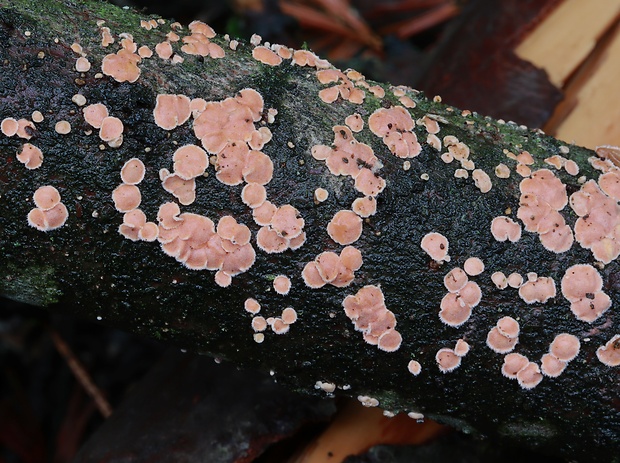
[436,246]
[473,266]
[345,227]
[282,284]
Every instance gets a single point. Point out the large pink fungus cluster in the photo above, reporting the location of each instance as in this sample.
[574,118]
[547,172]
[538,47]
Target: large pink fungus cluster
[543,195]
[122,66]
[582,285]
[194,240]
[346,89]
[49,212]
[462,296]
[599,216]
[395,127]
[198,43]
[226,129]
[331,268]
[369,314]
[562,350]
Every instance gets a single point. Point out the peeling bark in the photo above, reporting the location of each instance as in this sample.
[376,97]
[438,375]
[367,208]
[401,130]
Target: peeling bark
[87,268]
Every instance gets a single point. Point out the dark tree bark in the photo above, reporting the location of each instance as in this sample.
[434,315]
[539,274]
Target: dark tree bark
[87,268]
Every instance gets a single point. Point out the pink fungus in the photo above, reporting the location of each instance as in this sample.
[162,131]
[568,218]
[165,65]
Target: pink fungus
[529,376]
[122,66]
[164,49]
[369,183]
[133,171]
[513,364]
[266,56]
[222,279]
[279,327]
[270,242]
[455,280]
[436,246]
[311,276]
[9,126]
[565,347]
[414,367]
[482,180]
[82,64]
[395,126]
[454,310]
[609,354]
[364,207]
[264,213]
[282,284]
[551,366]
[183,190]
[499,343]
[390,341]
[499,280]
[253,195]
[355,122]
[582,286]
[286,222]
[126,197]
[508,327]
[473,266]
[515,280]
[25,129]
[171,111]
[504,228]
[62,127]
[461,348]
[251,305]
[168,216]
[447,360]
[259,324]
[190,161]
[94,114]
[30,156]
[49,213]
[345,227]
[321,195]
[46,197]
[111,129]
[289,316]
[540,289]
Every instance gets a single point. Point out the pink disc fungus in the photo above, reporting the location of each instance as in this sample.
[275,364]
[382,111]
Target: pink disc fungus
[111,129]
[282,284]
[251,305]
[266,56]
[364,207]
[515,280]
[321,195]
[345,227]
[183,190]
[133,171]
[368,312]
[540,289]
[513,364]
[164,50]
[329,268]
[454,311]
[289,316]
[508,327]
[94,114]
[9,126]
[286,222]
[49,213]
[254,195]
[499,343]
[582,286]
[171,111]
[25,129]
[190,161]
[473,266]
[499,280]
[259,324]
[461,348]
[145,52]
[122,66]
[46,197]
[395,127]
[126,197]
[82,64]
[414,367]
[270,242]
[482,180]
[565,347]
[609,354]
[447,360]
[455,280]
[30,156]
[62,127]
[551,366]
[530,376]
[436,246]
[504,228]
[355,122]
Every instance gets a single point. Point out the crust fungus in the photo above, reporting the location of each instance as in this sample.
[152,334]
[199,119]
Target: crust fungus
[609,354]
[368,312]
[436,246]
[345,227]
[30,156]
[282,284]
[504,228]
[395,127]
[447,360]
[49,213]
[582,286]
[539,289]
[171,111]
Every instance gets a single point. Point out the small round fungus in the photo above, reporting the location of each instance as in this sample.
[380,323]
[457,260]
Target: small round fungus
[259,324]
[499,343]
[414,367]
[9,126]
[37,116]
[390,341]
[455,280]
[447,360]
[282,284]
[499,280]
[540,289]
[529,376]
[609,354]
[126,197]
[266,56]
[551,366]
[30,156]
[345,227]
[171,111]
[62,127]
[289,316]
[122,66]
[251,305]
[46,197]
[508,327]
[436,246]
[94,114]
[515,280]
[461,348]
[111,129]
[482,180]
[504,228]
[473,266]
[565,347]
[254,195]
[190,161]
[513,364]
[321,195]
[82,64]
[133,171]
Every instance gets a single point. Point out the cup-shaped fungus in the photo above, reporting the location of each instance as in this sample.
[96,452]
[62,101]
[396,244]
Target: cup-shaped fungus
[9,126]
[582,286]
[94,114]
[133,171]
[251,305]
[447,360]
[171,111]
[30,156]
[111,130]
[345,227]
[126,197]
[190,161]
[552,366]
[504,228]
[49,213]
[609,354]
[565,347]
[530,376]
[414,367]
[513,363]
[436,246]
[473,266]
[540,289]
[266,56]
[122,66]
[282,284]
